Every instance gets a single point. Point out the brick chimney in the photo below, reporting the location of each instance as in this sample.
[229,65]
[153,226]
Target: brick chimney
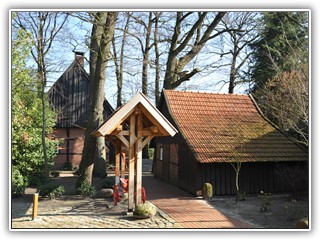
[80,57]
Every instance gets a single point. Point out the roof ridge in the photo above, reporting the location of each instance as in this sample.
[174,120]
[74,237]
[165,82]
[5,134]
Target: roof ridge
[72,65]
[205,92]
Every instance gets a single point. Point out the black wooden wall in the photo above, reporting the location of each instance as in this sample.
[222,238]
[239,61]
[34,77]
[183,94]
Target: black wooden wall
[253,178]
[190,175]
[70,97]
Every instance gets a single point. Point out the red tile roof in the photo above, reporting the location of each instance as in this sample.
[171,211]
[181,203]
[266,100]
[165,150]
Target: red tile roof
[225,127]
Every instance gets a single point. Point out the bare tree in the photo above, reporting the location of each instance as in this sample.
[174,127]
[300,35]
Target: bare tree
[146,53]
[119,61]
[44,27]
[286,103]
[239,152]
[101,38]
[144,41]
[157,57]
[244,33]
[192,42]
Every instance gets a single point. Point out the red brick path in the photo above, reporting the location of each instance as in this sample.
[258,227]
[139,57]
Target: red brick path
[185,209]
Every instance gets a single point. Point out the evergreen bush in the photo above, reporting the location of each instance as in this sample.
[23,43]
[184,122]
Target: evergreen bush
[85,189]
[207,192]
[145,210]
[17,183]
[51,190]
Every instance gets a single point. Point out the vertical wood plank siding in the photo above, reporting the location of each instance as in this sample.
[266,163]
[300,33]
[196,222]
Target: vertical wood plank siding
[70,96]
[254,177]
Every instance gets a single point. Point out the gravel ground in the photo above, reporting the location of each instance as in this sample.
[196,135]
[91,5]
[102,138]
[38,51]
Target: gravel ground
[282,213]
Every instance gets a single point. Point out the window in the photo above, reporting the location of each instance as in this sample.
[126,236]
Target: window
[161,154]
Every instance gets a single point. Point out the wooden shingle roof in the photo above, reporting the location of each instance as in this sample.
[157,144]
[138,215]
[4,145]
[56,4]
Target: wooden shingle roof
[225,127]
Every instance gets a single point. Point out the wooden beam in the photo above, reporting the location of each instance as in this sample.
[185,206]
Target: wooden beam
[114,142]
[137,110]
[146,133]
[123,164]
[154,129]
[123,140]
[154,121]
[146,107]
[117,130]
[131,156]
[146,140]
[139,159]
[124,133]
[116,119]
[117,170]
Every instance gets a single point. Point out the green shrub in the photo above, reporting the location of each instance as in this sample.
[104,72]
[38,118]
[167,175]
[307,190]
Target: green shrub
[85,189]
[151,153]
[17,183]
[266,201]
[207,191]
[145,210]
[51,190]
[27,118]
[241,196]
[303,223]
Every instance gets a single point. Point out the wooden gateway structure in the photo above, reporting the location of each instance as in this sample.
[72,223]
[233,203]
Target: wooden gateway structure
[216,131]
[129,129]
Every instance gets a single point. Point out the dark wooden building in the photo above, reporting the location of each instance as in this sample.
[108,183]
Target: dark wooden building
[70,99]
[216,130]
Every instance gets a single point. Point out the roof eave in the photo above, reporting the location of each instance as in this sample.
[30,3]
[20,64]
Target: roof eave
[126,110]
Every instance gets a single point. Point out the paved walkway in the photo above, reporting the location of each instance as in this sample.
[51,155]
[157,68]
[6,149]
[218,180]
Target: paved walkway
[177,209]
[186,210]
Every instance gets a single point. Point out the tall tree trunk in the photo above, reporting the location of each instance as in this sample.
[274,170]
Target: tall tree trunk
[232,74]
[101,37]
[118,74]
[157,59]
[99,169]
[44,127]
[42,78]
[119,62]
[145,65]
[145,62]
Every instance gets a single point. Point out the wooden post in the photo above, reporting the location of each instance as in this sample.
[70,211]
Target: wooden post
[139,159]
[131,156]
[117,170]
[123,164]
[35,206]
